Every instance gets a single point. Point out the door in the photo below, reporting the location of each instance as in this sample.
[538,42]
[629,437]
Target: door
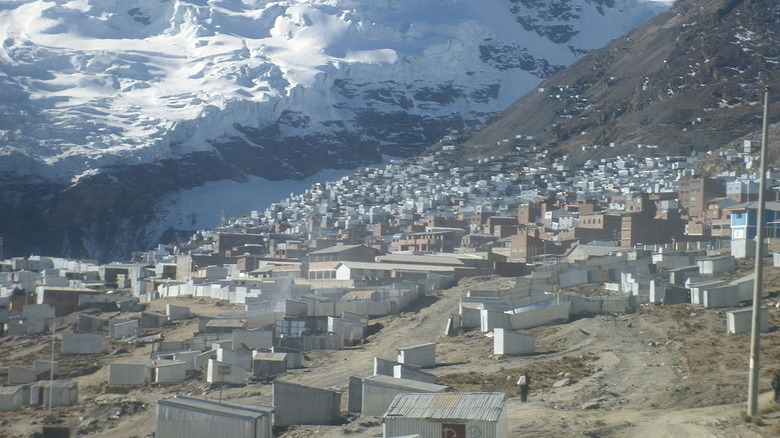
[453,430]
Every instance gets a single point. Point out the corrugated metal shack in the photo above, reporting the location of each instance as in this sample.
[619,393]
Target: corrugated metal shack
[11,398]
[380,391]
[298,404]
[475,414]
[190,417]
[59,392]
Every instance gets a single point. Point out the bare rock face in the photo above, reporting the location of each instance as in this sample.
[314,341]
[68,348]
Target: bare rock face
[690,79]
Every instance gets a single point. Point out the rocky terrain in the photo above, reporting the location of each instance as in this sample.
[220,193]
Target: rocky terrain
[691,78]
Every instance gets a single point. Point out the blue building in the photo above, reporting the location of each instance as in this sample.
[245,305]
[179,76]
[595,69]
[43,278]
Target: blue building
[743,220]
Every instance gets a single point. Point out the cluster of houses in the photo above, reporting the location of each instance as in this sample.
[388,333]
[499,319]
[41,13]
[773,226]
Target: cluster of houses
[282,319]
[311,271]
[259,343]
[628,279]
[399,391]
[512,208]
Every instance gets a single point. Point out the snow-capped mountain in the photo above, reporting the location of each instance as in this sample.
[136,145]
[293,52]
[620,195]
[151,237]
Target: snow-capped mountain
[95,94]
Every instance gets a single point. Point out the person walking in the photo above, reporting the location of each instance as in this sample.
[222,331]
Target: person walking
[776,386]
[524,382]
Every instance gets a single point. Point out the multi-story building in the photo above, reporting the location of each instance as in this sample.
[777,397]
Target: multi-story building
[639,228]
[695,192]
[425,241]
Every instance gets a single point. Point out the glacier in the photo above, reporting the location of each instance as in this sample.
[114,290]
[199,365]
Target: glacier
[275,90]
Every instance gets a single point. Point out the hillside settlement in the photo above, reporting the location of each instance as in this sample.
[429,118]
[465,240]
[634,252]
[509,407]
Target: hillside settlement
[406,301]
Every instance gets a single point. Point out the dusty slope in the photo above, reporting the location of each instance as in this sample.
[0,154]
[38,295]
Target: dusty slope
[660,372]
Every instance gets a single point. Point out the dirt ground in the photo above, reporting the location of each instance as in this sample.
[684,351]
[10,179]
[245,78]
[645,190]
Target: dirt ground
[663,371]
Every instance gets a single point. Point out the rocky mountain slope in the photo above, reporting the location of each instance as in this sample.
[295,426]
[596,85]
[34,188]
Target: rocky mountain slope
[109,108]
[689,79]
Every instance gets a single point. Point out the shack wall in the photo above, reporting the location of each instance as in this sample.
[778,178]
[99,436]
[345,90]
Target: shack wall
[297,404]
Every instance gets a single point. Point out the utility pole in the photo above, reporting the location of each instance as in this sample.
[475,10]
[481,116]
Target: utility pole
[755,332]
[51,366]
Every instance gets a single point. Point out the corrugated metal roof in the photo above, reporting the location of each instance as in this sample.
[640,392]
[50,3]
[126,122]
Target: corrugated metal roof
[273,357]
[403,383]
[10,389]
[486,406]
[411,347]
[334,249]
[415,258]
[235,323]
[360,295]
[753,205]
[396,267]
[232,409]
[74,290]
[55,384]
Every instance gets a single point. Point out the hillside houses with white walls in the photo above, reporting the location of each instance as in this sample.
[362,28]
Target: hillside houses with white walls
[493,185]
[318,287]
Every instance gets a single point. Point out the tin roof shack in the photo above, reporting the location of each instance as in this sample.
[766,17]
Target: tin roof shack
[108,303]
[266,365]
[44,368]
[509,342]
[65,300]
[541,313]
[83,343]
[740,321]
[176,313]
[36,317]
[123,328]
[153,320]
[60,392]
[404,371]
[242,358]
[89,323]
[17,326]
[297,404]
[423,355]
[253,339]
[717,265]
[18,375]
[294,357]
[492,319]
[679,275]
[482,414]
[666,293]
[202,359]
[190,417]
[5,315]
[188,357]
[384,367]
[11,398]
[129,374]
[350,331]
[225,326]
[379,392]
[170,371]
[115,274]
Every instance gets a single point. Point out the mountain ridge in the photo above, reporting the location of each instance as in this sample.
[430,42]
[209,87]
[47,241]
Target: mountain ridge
[690,79]
[157,98]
